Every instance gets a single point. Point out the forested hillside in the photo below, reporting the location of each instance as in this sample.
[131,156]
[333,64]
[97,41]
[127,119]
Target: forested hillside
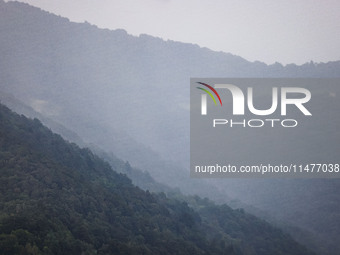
[57,198]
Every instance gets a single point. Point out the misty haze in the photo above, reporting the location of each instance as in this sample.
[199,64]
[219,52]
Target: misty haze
[116,178]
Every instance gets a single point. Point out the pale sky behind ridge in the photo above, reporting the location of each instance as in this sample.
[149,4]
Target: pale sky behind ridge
[284,31]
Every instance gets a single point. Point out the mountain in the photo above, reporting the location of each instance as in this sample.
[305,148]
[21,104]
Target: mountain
[309,209]
[139,177]
[19,107]
[57,198]
[92,106]
[129,96]
[79,75]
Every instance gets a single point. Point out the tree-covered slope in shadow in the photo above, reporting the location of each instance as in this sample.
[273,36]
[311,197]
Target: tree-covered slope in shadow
[57,198]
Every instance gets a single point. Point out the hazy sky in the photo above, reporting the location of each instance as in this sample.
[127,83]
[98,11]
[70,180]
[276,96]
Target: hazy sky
[286,31]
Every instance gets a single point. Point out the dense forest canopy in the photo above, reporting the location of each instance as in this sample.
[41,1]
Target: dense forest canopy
[57,198]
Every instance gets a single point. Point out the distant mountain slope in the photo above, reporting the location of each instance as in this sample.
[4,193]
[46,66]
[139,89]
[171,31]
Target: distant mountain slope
[108,87]
[310,204]
[59,199]
[80,75]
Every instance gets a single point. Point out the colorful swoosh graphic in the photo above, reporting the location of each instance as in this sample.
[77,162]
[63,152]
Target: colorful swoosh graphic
[209,93]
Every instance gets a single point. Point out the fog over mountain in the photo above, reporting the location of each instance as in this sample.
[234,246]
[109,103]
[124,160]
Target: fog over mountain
[130,96]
